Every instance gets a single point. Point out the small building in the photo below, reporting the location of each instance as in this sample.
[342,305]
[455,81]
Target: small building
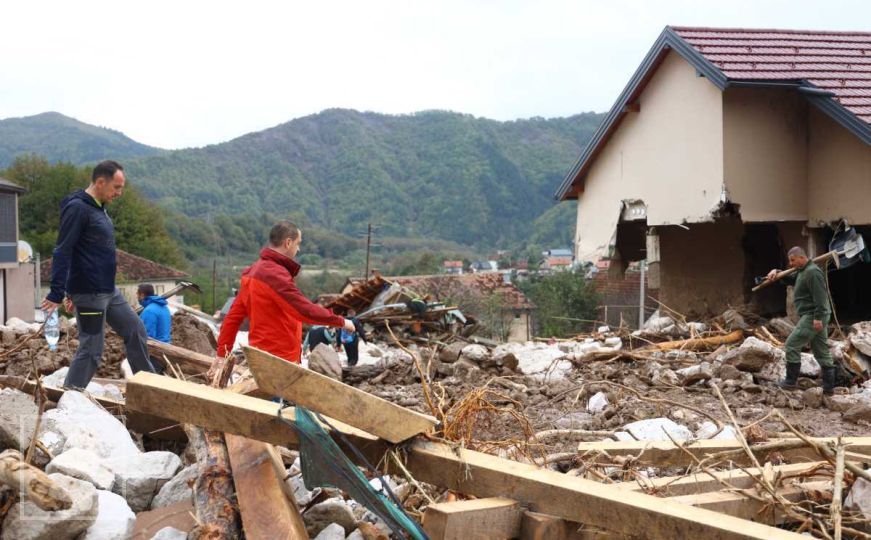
[17,271]
[556,259]
[484,266]
[132,270]
[452,267]
[727,147]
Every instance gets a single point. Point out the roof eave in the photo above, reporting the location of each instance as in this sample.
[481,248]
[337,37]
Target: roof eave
[667,40]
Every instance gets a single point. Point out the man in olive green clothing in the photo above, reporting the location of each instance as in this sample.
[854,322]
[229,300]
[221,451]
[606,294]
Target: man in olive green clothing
[812,303]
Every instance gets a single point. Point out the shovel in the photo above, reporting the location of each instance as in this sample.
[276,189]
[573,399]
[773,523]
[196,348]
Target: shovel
[182,286]
[851,248]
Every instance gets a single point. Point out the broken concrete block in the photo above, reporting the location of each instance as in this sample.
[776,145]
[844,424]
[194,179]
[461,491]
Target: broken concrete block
[18,415]
[178,489]
[79,419]
[333,531]
[451,353]
[654,429]
[115,520]
[753,355]
[138,477]
[322,515]
[597,403]
[859,411]
[474,353]
[325,360]
[26,521]
[84,465]
[859,498]
[693,374]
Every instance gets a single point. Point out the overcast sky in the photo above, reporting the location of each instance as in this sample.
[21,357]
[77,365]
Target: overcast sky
[190,73]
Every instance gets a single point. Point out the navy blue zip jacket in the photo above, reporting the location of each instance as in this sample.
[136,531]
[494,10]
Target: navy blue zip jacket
[84,259]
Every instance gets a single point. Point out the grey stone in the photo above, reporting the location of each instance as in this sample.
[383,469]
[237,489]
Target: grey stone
[812,397]
[597,403]
[84,465]
[115,520]
[356,535]
[654,429]
[753,355]
[321,515]
[17,419]
[178,489]
[859,498]
[333,531]
[859,412]
[466,370]
[728,372]
[734,320]
[781,326]
[474,353]
[451,353]
[665,377]
[301,493]
[84,424]
[139,476]
[26,521]
[693,374]
[860,337]
[841,403]
[325,360]
[170,533]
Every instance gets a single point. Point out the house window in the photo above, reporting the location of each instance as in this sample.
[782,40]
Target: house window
[8,228]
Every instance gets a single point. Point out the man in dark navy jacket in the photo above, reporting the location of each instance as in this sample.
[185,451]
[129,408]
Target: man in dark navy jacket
[83,268]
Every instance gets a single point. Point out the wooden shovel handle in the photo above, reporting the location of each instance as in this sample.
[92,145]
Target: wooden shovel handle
[791,271]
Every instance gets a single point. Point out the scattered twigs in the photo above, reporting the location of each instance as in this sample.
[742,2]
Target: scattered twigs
[41,399]
[424,377]
[837,491]
[409,477]
[569,434]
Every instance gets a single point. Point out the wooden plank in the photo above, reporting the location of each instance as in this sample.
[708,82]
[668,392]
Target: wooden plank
[188,361]
[493,518]
[222,410]
[334,399]
[266,504]
[699,482]
[179,516]
[538,526]
[666,454]
[576,499]
[741,506]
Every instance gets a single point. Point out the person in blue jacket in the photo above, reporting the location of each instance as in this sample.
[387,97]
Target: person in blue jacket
[155,315]
[83,277]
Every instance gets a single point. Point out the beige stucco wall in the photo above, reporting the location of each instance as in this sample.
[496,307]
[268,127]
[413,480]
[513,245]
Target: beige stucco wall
[670,155]
[765,152]
[839,173]
[20,292]
[519,329]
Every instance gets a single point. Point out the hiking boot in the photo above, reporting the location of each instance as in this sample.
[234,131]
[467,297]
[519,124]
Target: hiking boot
[829,380]
[792,371]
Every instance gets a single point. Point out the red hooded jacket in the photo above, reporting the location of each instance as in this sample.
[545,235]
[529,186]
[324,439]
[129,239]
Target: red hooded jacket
[275,309]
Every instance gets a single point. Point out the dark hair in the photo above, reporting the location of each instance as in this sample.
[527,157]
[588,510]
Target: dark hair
[797,252]
[281,231]
[146,288]
[106,169]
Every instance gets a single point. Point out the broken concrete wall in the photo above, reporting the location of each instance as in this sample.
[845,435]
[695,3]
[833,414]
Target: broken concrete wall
[765,149]
[670,155]
[702,268]
[839,173]
[20,292]
[520,327]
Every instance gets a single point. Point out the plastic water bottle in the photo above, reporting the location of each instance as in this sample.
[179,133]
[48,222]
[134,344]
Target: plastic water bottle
[52,330]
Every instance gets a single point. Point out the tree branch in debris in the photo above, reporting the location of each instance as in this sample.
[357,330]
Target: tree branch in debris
[27,479]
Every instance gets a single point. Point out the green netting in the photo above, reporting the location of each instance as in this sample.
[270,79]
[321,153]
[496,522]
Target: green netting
[325,465]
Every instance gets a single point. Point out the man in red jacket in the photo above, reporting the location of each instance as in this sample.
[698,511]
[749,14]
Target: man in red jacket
[273,304]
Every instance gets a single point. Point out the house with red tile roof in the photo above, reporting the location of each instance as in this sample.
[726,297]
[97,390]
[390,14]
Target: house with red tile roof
[131,271]
[727,147]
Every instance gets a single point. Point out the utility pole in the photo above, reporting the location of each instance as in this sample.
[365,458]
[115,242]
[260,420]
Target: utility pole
[368,248]
[214,281]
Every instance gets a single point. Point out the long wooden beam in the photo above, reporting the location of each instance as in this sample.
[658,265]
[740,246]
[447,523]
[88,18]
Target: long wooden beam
[335,399]
[700,482]
[576,499]
[223,410]
[571,498]
[266,504]
[666,454]
[741,506]
[187,360]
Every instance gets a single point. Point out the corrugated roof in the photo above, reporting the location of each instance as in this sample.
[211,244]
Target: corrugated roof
[826,60]
[831,69]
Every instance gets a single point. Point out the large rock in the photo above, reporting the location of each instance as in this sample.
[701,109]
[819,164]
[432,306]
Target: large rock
[859,412]
[138,477]
[333,531]
[451,353]
[18,415]
[325,360]
[654,429]
[859,498]
[321,515]
[475,353]
[860,337]
[777,370]
[842,402]
[84,465]
[26,521]
[753,355]
[78,422]
[115,520]
[178,489]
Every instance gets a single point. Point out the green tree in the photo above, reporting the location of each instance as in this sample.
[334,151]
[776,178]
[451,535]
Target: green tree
[564,300]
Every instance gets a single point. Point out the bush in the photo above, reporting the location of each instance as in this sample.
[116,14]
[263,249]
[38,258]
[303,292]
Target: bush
[566,303]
